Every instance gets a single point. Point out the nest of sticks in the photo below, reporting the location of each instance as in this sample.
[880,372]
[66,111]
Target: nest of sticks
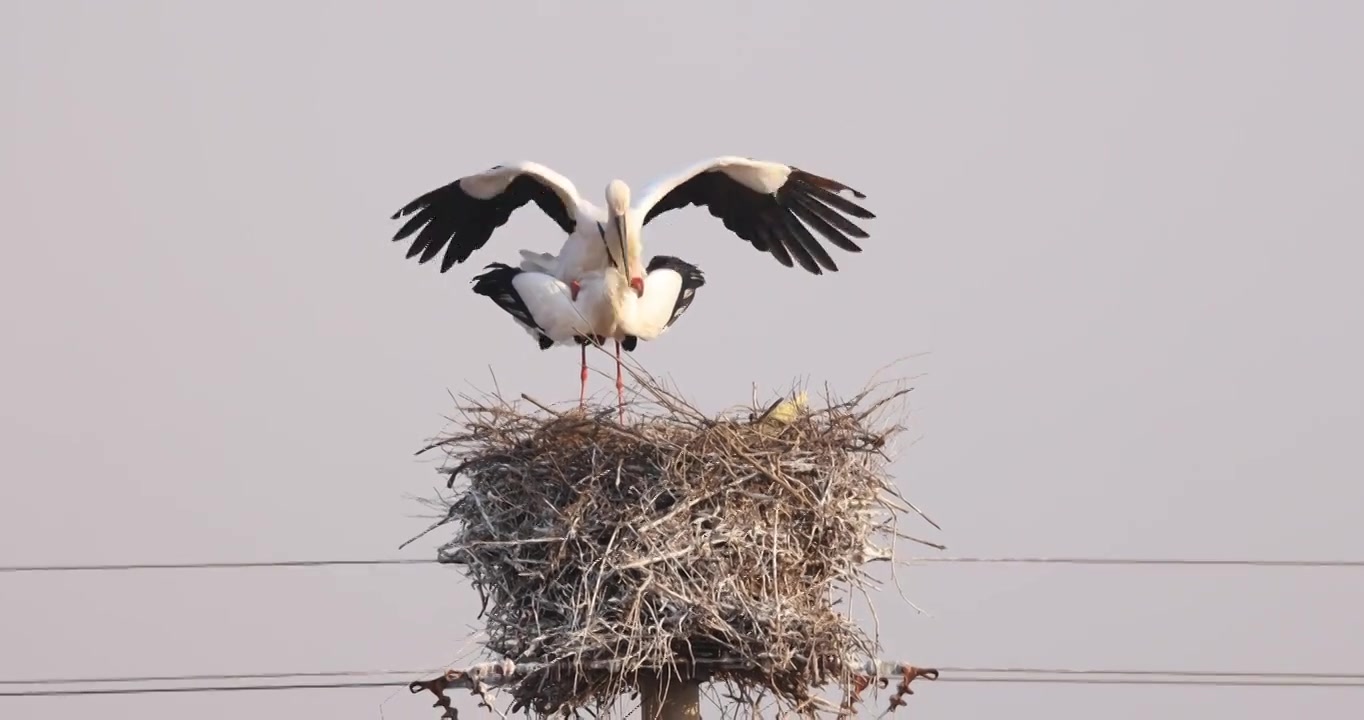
[678,545]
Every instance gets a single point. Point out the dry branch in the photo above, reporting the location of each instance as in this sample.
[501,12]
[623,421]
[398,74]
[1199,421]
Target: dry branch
[696,548]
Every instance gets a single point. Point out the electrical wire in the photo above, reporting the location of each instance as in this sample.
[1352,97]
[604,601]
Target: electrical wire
[1010,675]
[1168,673]
[938,560]
[213,565]
[1139,561]
[217,676]
[1152,681]
[201,688]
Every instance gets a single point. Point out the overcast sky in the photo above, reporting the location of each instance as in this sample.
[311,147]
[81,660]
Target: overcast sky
[1121,241]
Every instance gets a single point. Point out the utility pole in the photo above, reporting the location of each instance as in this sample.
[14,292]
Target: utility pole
[663,698]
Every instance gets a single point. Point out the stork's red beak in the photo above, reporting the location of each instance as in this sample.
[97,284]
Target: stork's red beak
[637,284]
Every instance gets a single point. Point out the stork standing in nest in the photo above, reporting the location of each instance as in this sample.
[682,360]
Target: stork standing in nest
[770,205]
[604,304]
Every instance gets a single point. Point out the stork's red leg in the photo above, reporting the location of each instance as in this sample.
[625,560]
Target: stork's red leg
[582,393]
[620,385]
[574,287]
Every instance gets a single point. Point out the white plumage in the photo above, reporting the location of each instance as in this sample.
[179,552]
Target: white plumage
[771,205]
[549,309]
[597,287]
[604,306]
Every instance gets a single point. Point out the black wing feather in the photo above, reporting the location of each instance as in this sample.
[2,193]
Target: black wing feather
[496,284]
[449,218]
[826,222]
[772,222]
[764,239]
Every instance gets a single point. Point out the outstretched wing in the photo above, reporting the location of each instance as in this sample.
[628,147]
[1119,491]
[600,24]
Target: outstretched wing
[464,214]
[669,289]
[768,204]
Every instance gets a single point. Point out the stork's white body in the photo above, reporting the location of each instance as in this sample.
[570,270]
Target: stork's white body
[604,307]
[616,313]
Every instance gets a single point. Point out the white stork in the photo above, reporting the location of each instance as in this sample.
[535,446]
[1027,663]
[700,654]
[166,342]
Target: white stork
[604,307]
[768,204]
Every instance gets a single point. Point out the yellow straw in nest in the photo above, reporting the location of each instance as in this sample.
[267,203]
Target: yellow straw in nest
[787,411]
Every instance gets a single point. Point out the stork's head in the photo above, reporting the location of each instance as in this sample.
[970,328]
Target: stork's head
[624,247]
[617,198]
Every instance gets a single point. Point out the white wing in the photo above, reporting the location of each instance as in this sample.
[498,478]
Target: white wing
[669,288]
[464,214]
[653,311]
[764,203]
[540,303]
[551,306]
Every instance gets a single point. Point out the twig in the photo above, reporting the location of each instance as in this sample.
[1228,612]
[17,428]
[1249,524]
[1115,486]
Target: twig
[688,546]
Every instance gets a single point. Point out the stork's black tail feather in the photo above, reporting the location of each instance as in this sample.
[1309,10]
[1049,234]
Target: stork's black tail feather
[495,283]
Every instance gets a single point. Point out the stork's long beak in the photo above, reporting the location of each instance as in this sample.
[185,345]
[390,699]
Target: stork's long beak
[636,283]
[620,233]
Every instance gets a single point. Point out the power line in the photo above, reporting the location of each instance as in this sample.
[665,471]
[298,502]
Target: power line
[1164,673]
[1151,681]
[1139,561]
[939,560]
[1169,682]
[1014,675]
[213,565]
[215,676]
[203,688]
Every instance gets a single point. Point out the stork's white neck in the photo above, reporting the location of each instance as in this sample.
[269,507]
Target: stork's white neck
[618,290]
[622,232]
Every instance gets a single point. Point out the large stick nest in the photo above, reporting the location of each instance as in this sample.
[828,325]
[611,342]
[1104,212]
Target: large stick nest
[707,548]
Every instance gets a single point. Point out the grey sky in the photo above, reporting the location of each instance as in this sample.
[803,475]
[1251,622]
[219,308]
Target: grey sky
[1126,235]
